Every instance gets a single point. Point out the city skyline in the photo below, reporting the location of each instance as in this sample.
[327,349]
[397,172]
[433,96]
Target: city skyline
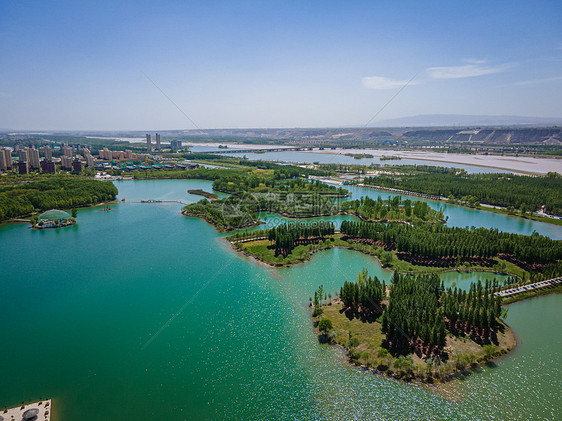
[271,64]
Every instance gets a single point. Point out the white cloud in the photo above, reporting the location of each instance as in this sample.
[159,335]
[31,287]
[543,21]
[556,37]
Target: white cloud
[466,70]
[474,61]
[538,81]
[382,83]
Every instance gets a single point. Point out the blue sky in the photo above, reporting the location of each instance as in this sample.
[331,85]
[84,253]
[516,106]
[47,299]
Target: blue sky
[82,65]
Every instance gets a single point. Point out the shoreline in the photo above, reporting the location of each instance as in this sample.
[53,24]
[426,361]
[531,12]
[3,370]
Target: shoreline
[390,268]
[483,206]
[20,220]
[436,380]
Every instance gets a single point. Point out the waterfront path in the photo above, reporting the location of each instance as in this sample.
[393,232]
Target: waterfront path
[530,287]
[246,240]
[398,191]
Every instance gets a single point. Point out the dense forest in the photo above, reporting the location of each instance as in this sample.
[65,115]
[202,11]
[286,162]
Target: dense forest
[391,209]
[195,174]
[521,192]
[284,236]
[265,183]
[264,189]
[420,311]
[365,295]
[58,192]
[413,313]
[437,240]
[240,210]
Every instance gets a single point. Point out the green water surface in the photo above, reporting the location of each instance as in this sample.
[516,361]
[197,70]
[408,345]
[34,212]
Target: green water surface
[142,314]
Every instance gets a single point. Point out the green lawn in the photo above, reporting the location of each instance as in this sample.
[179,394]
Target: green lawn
[299,254]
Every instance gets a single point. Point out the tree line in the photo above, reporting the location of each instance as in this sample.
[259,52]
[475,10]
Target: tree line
[413,312]
[420,311]
[53,193]
[391,208]
[518,191]
[284,236]
[478,308]
[366,294]
[437,240]
[263,183]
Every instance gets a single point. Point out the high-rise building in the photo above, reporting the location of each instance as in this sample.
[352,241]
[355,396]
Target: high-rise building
[3,166]
[89,160]
[3,163]
[66,162]
[76,165]
[88,157]
[22,167]
[67,151]
[48,153]
[148,142]
[33,159]
[8,158]
[6,162]
[105,154]
[22,155]
[175,144]
[48,166]
[157,141]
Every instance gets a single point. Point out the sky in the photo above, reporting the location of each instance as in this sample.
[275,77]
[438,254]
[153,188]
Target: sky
[147,65]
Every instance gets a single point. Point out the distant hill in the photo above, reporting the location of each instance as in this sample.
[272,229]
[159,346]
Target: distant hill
[461,120]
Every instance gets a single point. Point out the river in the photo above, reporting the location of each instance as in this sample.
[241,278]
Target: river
[140,313]
[327,158]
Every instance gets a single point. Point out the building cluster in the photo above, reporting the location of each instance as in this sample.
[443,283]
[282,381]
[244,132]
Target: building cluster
[106,154]
[28,159]
[24,159]
[174,144]
[66,158]
[149,142]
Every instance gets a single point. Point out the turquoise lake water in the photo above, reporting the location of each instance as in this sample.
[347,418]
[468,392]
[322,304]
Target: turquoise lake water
[141,313]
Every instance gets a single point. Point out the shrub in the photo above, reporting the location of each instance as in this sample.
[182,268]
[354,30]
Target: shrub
[383,353]
[325,325]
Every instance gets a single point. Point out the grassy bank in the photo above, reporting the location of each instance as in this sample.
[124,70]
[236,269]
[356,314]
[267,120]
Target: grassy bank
[365,346]
[262,251]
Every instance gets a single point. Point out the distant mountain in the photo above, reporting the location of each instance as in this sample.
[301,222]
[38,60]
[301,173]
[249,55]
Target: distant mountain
[461,120]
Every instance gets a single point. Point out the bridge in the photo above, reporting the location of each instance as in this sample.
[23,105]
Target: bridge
[530,287]
[159,201]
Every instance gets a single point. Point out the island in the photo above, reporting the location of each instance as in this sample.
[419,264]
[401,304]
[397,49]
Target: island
[54,218]
[257,187]
[207,195]
[414,328]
